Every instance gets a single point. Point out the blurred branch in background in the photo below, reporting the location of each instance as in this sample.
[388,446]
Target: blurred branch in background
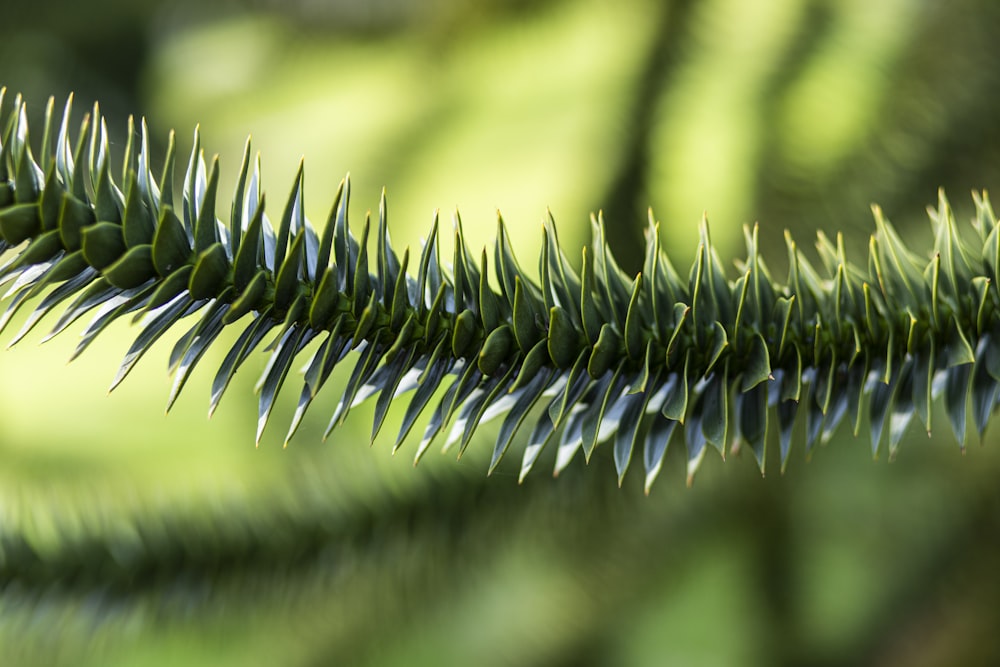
[133,541]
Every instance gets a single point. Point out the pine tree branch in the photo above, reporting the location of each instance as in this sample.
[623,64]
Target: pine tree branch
[611,358]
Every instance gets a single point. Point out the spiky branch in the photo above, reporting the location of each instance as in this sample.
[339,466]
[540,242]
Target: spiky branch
[608,357]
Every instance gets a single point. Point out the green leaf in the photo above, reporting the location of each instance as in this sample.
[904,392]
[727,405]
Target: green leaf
[881,405]
[676,404]
[985,390]
[401,300]
[540,436]
[715,409]
[720,341]
[833,417]
[293,209]
[956,397]
[577,382]
[367,364]
[605,353]
[985,221]
[591,315]
[328,355]
[168,289]
[682,319]
[133,268]
[702,306]
[20,222]
[489,306]
[326,243]
[464,333]
[902,410]
[902,277]
[210,271]
[239,212]
[989,355]
[508,270]
[344,246]
[50,202]
[526,399]
[610,280]
[980,287]
[455,396]
[757,366]
[534,363]
[435,316]
[496,351]
[627,435]
[248,257]
[171,248]
[192,345]
[366,322]
[787,411]
[248,341]
[959,350]
[564,341]
[428,272]
[526,313]
[96,292]
[151,332]
[814,416]
[250,299]
[194,184]
[751,420]
[139,222]
[40,249]
[102,244]
[564,284]
[635,342]
[783,317]
[856,377]
[660,432]
[825,380]
[923,377]
[124,302]
[950,247]
[400,364]
[718,287]
[475,411]
[277,370]
[206,230]
[428,384]
[607,391]
[647,370]
[791,386]
[694,438]
[662,284]
[387,262]
[167,175]
[286,284]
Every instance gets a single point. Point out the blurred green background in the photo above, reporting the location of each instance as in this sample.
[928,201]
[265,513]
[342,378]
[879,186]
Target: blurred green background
[131,538]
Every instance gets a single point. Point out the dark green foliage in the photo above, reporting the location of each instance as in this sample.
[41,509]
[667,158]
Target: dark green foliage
[584,359]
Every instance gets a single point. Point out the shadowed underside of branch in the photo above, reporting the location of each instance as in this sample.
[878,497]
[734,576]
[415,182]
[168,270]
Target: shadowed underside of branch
[577,359]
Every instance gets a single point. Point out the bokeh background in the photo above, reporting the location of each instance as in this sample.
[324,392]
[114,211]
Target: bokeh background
[132,538]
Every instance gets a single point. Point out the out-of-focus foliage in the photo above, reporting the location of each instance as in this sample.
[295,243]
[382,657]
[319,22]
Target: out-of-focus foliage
[162,541]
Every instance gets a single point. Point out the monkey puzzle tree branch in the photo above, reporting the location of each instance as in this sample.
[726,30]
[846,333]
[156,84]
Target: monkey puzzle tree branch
[608,358]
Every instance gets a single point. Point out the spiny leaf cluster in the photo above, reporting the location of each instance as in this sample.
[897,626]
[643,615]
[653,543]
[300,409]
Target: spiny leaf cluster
[582,358]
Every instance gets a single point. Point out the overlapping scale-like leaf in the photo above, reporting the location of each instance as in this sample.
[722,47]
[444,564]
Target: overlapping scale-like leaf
[575,358]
